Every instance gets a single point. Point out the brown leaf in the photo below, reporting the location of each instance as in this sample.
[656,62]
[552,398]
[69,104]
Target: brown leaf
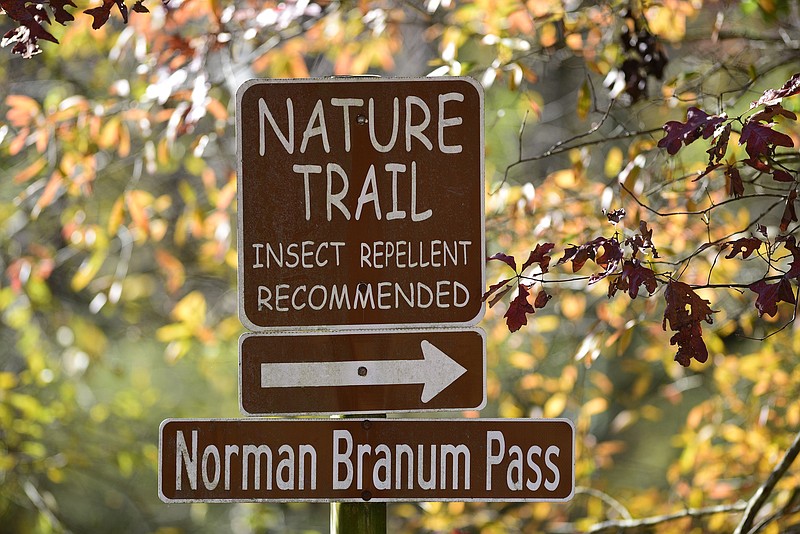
[761,140]
[773,96]
[633,276]
[698,123]
[517,313]
[505,258]
[494,287]
[789,213]
[684,312]
[540,255]
[745,245]
[769,295]
[735,186]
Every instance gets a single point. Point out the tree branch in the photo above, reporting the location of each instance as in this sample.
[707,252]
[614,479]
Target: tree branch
[762,494]
[630,524]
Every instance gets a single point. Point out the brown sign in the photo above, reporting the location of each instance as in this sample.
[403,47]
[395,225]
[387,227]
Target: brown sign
[363,460]
[360,202]
[362,372]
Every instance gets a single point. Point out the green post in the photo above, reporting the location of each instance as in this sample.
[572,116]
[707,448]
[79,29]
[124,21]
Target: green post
[359,517]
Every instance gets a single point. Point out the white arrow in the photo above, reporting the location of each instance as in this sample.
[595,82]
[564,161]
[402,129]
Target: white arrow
[436,371]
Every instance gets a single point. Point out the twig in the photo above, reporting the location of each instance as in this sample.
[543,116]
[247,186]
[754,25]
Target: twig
[629,524]
[761,495]
[606,498]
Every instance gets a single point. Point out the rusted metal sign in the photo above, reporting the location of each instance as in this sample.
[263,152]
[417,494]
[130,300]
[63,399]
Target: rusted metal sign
[360,203]
[305,373]
[366,460]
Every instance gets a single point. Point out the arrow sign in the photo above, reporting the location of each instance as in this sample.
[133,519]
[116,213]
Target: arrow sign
[365,372]
[436,371]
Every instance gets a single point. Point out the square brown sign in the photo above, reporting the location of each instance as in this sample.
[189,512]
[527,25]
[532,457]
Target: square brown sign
[360,203]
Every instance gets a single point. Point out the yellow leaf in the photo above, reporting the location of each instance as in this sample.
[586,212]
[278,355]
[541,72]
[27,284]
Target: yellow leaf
[584,101]
[88,270]
[595,406]
[109,133]
[30,171]
[137,202]
[613,162]
[172,269]
[8,380]
[191,309]
[116,216]
[48,195]
[555,405]
[22,110]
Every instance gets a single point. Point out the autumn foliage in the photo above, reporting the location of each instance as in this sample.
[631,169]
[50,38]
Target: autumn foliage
[625,264]
[641,209]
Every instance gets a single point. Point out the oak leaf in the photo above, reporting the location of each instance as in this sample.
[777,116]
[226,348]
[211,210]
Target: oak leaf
[540,255]
[517,313]
[633,276]
[505,258]
[789,213]
[769,295]
[684,312]
[745,245]
[773,96]
[698,123]
[733,181]
[761,140]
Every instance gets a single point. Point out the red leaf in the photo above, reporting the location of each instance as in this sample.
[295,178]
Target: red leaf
[789,213]
[493,288]
[100,15]
[690,344]
[761,140]
[698,123]
[612,253]
[500,295]
[735,186]
[773,96]
[782,176]
[794,267]
[642,240]
[542,298]
[60,12]
[615,216]
[505,258]
[769,295]
[770,112]
[720,145]
[633,276]
[517,313]
[540,255]
[684,312]
[745,245]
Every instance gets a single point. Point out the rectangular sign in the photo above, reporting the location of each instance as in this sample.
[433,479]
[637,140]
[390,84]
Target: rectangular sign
[361,203]
[365,372]
[366,460]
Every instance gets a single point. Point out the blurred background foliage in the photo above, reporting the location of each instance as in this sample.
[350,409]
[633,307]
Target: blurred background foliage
[118,260]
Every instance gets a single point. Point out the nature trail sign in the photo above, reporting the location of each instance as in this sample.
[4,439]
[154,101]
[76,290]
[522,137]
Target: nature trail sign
[360,203]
